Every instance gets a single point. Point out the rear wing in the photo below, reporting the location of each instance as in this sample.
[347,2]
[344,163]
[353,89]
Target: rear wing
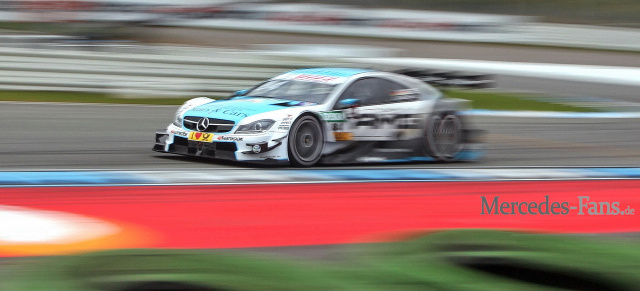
[450,79]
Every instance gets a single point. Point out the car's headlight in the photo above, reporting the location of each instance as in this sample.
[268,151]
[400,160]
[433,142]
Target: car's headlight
[260,126]
[177,120]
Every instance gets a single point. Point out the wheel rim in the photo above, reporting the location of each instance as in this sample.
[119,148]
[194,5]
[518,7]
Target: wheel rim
[444,136]
[307,144]
[449,136]
[432,134]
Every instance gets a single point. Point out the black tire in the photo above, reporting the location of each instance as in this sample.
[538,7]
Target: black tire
[444,136]
[306,141]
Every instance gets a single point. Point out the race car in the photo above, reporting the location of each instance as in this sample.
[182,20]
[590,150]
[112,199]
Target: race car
[325,115]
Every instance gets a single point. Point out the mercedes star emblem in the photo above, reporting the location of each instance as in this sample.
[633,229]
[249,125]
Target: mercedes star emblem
[203,123]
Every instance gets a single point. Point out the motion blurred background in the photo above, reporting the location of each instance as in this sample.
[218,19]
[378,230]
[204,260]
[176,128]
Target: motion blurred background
[562,95]
[139,48]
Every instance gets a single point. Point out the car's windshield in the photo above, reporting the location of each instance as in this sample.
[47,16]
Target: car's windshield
[296,90]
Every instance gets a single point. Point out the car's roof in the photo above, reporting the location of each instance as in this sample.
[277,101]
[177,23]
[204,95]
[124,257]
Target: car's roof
[331,72]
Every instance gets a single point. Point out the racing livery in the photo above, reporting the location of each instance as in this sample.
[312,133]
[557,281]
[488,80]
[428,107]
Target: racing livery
[328,115]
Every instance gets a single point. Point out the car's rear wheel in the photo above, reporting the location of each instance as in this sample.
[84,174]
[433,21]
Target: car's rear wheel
[444,136]
[306,141]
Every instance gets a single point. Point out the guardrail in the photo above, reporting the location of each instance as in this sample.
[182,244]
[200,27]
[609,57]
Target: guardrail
[142,70]
[156,71]
[525,33]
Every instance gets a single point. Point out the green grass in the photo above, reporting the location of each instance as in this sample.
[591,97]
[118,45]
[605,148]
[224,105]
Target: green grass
[480,100]
[512,101]
[81,97]
[19,26]
[123,269]
[447,260]
[498,260]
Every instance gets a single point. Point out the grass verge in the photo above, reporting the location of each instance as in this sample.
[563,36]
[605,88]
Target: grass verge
[83,97]
[447,260]
[511,101]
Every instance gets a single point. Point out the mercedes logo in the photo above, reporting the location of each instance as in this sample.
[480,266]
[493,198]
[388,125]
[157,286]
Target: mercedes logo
[203,123]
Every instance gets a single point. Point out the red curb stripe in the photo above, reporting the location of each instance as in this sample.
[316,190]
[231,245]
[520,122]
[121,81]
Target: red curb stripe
[234,216]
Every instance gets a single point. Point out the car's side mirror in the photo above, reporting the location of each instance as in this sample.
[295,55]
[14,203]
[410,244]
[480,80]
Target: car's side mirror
[348,103]
[239,93]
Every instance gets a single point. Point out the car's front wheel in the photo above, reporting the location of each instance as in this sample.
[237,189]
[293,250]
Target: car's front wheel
[444,136]
[306,141]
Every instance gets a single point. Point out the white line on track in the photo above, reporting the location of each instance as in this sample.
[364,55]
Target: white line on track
[320,182]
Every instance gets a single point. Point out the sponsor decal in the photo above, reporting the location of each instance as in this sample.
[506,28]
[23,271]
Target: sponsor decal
[201,136]
[315,78]
[231,110]
[405,92]
[400,121]
[343,136]
[337,126]
[234,113]
[547,207]
[229,138]
[179,133]
[405,95]
[333,116]
[285,124]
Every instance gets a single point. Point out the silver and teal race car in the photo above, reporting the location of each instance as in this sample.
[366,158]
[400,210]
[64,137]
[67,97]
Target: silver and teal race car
[327,115]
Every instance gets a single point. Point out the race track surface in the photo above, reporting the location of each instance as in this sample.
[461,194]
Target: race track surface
[41,136]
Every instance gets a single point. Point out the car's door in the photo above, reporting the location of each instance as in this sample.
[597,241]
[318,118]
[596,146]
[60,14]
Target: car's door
[374,109]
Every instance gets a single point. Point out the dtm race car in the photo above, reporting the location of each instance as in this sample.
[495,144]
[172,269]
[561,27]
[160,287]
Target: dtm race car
[326,115]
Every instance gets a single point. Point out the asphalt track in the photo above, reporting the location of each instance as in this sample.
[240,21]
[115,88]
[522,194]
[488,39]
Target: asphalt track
[37,136]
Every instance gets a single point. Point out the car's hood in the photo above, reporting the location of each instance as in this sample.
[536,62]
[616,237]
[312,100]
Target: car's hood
[239,108]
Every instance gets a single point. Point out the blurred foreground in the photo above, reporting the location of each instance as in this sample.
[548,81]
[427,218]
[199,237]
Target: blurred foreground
[449,260]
